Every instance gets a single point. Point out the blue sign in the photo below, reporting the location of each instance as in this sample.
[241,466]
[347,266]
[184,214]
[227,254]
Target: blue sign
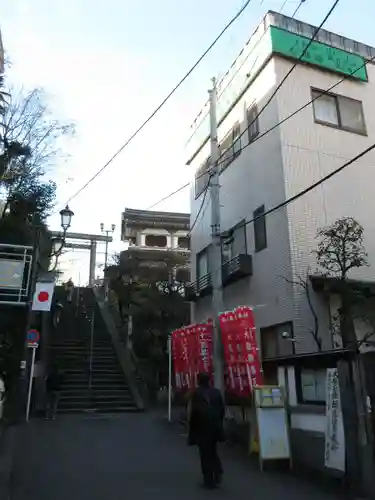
[33,337]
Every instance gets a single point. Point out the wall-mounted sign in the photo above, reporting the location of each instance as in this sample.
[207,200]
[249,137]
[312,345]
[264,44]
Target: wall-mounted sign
[11,273]
[291,45]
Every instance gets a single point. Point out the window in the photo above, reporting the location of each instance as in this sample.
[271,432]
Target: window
[338,111]
[155,240]
[202,177]
[230,147]
[277,340]
[252,122]
[202,263]
[183,242]
[260,232]
[235,243]
[311,385]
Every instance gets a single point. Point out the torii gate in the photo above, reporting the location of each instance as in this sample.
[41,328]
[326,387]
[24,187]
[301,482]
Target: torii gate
[92,238]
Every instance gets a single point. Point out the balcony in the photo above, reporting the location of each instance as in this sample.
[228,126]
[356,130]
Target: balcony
[199,288]
[237,268]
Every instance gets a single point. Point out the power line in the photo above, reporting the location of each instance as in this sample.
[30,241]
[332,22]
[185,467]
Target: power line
[201,207]
[304,106]
[241,65]
[226,86]
[281,122]
[283,5]
[168,196]
[312,186]
[140,128]
[290,70]
[298,7]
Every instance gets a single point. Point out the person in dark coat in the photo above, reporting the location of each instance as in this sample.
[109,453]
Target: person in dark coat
[54,381]
[206,429]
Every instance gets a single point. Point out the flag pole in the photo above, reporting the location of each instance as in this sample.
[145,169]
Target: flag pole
[169,378]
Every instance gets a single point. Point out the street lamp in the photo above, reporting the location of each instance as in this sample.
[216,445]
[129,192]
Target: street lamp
[106,232]
[66,218]
[58,243]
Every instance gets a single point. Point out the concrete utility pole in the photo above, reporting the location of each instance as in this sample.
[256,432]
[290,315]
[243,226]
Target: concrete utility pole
[216,276]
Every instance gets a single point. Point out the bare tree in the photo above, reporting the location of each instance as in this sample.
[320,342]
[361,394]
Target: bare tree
[304,284]
[30,142]
[340,250]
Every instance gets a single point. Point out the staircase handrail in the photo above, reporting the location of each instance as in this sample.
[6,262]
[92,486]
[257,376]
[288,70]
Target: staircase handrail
[122,350]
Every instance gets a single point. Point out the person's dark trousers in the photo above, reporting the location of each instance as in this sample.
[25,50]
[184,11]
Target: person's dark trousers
[52,401]
[212,470]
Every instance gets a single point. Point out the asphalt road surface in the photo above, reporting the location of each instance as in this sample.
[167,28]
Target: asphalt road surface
[132,456]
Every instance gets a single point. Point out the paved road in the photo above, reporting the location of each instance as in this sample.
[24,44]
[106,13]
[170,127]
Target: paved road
[131,457]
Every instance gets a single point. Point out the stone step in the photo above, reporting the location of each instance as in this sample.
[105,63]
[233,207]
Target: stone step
[99,403]
[125,409]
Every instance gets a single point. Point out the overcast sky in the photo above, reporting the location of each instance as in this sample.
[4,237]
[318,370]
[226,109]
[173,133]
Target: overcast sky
[106,65]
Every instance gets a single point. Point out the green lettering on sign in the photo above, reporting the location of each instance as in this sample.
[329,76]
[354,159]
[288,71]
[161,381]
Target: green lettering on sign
[291,45]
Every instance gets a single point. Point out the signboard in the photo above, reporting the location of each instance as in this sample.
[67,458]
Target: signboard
[11,273]
[272,432]
[319,54]
[334,456]
[42,299]
[32,338]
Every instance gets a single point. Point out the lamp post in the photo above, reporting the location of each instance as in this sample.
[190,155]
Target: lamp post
[57,246]
[106,232]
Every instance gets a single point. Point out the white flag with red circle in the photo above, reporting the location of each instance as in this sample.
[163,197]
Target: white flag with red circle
[42,299]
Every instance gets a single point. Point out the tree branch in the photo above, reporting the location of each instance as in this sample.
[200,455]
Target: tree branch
[303,283]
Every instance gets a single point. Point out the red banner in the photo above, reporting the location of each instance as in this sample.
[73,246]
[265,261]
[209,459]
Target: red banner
[192,352]
[177,357]
[204,338]
[247,333]
[240,350]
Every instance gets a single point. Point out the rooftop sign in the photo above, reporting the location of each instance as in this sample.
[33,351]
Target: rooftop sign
[319,54]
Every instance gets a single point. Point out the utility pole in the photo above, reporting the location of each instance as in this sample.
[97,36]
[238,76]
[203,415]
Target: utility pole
[107,232]
[216,275]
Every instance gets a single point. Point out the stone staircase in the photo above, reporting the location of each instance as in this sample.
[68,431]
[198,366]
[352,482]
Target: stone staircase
[93,378]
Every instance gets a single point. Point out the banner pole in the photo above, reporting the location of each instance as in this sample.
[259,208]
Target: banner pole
[30,384]
[169,378]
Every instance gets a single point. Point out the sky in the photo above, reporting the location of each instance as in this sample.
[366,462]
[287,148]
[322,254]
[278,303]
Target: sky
[106,65]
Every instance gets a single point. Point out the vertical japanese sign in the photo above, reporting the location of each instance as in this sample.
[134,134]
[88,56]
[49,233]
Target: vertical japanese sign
[243,369]
[226,320]
[204,351]
[247,335]
[191,354]
[334,455]
[176,357]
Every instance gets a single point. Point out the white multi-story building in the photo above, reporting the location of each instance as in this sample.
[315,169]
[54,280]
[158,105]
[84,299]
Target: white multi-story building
[157,237]
[267,161]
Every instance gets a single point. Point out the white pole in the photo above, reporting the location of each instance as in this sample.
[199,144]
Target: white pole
[30,384]
[91,346]
[169,378]
[217,290]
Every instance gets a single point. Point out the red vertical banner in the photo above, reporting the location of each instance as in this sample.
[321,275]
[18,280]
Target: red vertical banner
[247,330]
[176,356]
[204,339]
[192,349]
[226,320]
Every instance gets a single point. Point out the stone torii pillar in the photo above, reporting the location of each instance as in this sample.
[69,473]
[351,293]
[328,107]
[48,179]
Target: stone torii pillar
[92,262]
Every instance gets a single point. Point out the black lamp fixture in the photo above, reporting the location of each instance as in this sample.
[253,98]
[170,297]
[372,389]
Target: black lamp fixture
[58,243]
[66,218]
